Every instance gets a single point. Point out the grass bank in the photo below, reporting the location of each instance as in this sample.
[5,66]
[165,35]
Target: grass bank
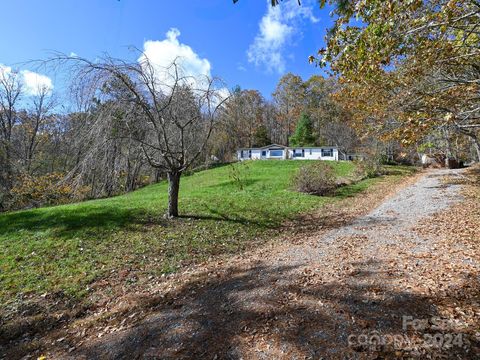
[62,249]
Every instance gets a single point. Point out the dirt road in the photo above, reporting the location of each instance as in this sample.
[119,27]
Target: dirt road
[386,285]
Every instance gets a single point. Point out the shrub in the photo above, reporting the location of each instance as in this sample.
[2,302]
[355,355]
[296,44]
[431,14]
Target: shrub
[368,167]
[238,173]
[37,191]
[317,178]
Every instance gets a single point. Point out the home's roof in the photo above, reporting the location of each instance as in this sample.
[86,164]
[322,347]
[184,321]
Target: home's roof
[288,147]
[274,146]
[313,147]
[266,147]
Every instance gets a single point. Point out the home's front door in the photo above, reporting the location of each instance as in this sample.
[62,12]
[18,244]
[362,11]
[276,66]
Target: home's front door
[264,154]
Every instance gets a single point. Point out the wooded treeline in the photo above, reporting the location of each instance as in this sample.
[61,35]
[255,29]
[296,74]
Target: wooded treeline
[410,71]
[121,140]
[134,129]
[405,81]
[138,123]
[249,120]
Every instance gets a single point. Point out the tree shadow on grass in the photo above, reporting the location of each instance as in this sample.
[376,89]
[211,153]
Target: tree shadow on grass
[217,215]
[64,222]
[274,312]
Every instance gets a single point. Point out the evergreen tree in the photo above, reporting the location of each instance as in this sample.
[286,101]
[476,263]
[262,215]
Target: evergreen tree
[303,135]
[260,137]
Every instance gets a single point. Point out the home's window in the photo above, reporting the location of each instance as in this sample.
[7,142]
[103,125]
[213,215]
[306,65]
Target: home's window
[264,153]
[298,153]
[327,152]
[250,154]
[276,153]
[310,151]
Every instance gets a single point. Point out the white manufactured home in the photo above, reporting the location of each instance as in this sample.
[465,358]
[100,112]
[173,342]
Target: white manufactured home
[281,152]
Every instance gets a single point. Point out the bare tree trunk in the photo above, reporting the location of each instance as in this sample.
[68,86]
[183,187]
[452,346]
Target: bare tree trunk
[158,175]
[475,140]
[448,150]
[6,175]
[173,189]
[8,170]
[476,144]
[132,174]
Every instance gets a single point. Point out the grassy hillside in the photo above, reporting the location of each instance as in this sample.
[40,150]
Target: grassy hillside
[63,248]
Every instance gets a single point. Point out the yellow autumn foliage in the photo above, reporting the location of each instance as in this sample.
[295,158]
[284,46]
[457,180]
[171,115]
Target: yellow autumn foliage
[34,191]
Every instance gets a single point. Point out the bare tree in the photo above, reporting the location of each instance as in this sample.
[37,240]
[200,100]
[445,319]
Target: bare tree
[341,135]
[33,125]
[239,121]
[170,115]
[289,97]
[10,92]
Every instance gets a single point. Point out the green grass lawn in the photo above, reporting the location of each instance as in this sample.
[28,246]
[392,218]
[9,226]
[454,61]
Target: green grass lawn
[63,248]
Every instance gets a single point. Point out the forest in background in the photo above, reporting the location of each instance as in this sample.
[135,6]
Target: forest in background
[50,158]
[403,83]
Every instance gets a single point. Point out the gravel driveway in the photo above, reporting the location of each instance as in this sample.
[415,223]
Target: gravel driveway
[392,220]
[313,300]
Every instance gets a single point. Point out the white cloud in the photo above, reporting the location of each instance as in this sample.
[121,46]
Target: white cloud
[292,10]
[276,29]
[222,95]
[32,82]
[161,55]
[5,70]
[240,67]
[35,83]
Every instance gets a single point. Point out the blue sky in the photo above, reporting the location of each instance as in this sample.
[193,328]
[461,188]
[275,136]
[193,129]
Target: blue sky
[246,44]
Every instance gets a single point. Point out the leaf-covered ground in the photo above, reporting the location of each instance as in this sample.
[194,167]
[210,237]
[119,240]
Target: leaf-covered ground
[64,262]
[399,281]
